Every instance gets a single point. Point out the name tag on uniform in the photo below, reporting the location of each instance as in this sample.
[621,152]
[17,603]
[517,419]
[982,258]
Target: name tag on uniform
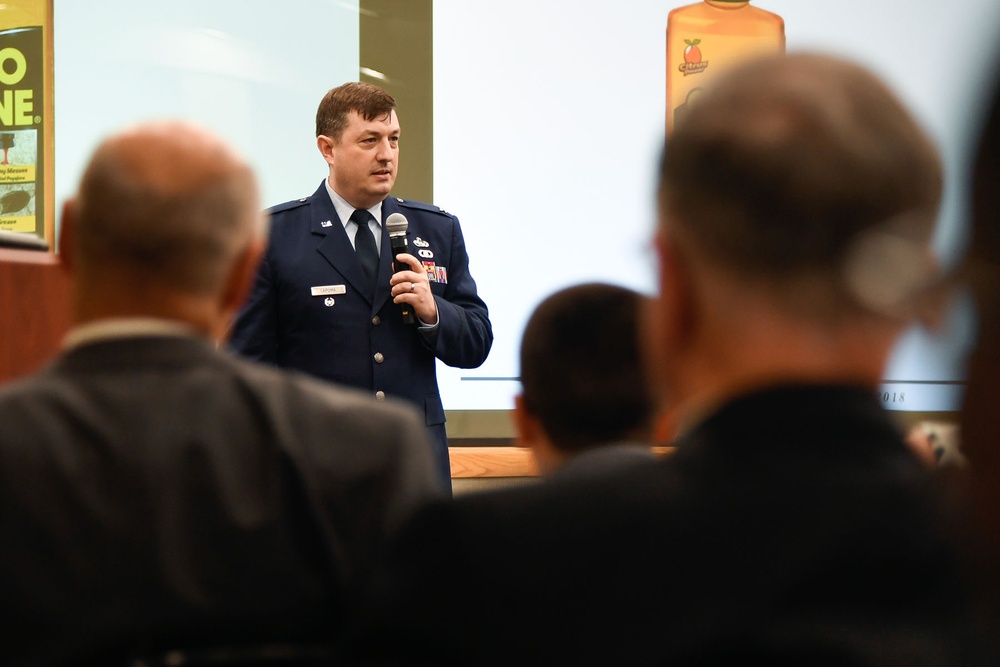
[327,290]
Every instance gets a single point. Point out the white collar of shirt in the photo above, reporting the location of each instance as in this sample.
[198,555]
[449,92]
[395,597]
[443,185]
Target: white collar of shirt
[344,211]
[124,327]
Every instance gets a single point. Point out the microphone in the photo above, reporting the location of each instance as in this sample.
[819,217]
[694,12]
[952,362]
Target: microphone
[396,224]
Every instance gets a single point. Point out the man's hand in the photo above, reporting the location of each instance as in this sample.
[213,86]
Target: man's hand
[412,287]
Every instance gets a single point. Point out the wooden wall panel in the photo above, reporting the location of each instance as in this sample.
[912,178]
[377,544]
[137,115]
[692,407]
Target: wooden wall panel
[34,310]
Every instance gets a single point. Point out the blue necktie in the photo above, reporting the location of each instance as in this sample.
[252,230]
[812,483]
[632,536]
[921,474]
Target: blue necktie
[364,246]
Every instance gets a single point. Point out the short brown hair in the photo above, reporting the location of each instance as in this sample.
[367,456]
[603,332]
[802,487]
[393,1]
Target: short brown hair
[785,161]
[369,101]
[581,369]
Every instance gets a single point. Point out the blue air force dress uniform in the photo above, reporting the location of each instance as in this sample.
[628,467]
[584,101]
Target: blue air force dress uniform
[309,309]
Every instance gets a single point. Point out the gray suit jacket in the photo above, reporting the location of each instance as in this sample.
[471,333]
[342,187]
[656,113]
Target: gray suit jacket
[155,492]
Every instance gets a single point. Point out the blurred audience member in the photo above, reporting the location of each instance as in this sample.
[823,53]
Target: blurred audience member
[584,403]
[793,524]
[980,421]
[155,492]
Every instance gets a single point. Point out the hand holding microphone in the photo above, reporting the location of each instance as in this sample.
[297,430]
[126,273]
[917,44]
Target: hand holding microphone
[410,287]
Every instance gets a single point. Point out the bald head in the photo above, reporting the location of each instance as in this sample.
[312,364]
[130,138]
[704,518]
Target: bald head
[167,202]
[786,163]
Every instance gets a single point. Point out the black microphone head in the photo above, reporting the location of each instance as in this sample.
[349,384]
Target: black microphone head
[396,224]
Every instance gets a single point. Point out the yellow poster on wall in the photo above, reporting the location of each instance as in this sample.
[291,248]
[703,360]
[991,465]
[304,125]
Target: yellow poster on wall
[26,120]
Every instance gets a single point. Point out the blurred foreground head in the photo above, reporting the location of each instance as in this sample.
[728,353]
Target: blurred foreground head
[796,201]
[581,374]
[980,425]
[165,223]
[793,170]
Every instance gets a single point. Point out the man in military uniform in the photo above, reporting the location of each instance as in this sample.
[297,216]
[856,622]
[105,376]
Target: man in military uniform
[326,300]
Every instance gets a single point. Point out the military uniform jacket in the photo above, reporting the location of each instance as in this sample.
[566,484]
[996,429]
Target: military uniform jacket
[306,310]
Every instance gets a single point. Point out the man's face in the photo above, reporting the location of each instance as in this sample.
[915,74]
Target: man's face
[363,163]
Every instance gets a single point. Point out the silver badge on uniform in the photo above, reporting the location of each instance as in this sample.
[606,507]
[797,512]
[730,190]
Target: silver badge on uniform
[329,301]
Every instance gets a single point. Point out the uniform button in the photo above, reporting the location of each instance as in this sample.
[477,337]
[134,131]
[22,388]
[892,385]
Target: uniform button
[380,395]
[379,358]
[376,320]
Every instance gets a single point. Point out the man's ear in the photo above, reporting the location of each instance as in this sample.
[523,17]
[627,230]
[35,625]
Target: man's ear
[241,277]
[675,308]
[664,425]
[666,320]
[326,147]
[531,434]
[67,236]
[525,425]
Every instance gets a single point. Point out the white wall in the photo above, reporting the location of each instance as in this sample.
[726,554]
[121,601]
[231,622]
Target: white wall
[251,70]
[549,116]
[548,119]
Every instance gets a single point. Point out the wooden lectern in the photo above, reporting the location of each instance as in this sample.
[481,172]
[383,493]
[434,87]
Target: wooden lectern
[34,310]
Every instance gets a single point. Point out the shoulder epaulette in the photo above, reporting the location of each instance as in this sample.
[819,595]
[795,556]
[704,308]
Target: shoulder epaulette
[409,203]
[295,203]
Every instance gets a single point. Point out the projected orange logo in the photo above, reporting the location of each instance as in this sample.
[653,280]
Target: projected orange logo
[693,64]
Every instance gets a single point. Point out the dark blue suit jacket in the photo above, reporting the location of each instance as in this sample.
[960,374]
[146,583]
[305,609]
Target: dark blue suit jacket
[792,525]
[340,334]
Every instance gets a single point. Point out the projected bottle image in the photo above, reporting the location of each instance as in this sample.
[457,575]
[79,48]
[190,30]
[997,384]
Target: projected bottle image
[709,37]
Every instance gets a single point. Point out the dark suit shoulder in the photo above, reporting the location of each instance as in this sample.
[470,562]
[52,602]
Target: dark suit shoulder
[421,206]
